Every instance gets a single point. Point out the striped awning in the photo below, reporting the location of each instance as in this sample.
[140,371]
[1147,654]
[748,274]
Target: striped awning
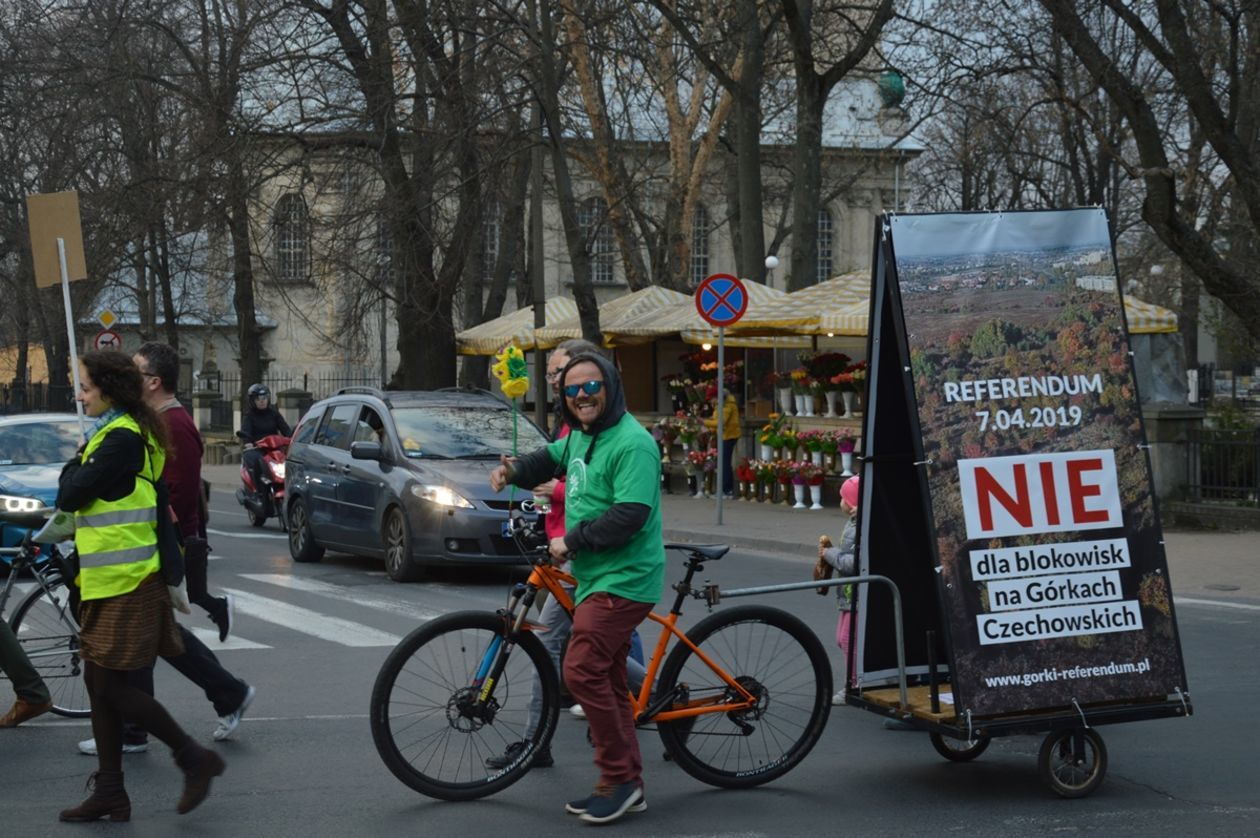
[648,301]
[517,327]
[683,318]
[1143,318]
[1147,318]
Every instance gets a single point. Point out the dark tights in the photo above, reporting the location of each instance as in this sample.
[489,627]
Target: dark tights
[113,700]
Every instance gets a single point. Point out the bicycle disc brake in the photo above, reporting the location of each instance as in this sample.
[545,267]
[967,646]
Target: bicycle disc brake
[466,714]
[760,703]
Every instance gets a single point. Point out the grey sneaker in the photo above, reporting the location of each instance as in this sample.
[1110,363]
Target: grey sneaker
[229,723]
[609,803]
[88,747]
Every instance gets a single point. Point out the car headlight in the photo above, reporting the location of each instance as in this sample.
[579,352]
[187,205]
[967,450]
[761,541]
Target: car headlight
[441,495]
[277,470]
[16,503]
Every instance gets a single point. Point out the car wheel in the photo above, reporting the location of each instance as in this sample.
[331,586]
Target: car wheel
[302,546]
[398,562]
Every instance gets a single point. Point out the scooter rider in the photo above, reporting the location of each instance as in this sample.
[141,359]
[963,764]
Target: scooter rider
[259,421]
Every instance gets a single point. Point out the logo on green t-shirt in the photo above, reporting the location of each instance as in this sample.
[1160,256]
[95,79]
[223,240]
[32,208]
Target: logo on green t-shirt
[575,481]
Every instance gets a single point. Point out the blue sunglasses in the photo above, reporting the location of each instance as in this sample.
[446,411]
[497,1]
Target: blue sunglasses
[590,388]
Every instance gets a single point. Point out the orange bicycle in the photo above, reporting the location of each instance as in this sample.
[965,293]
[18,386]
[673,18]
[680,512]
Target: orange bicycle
[741,698]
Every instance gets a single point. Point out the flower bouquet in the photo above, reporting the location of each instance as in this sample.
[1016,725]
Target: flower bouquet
[801,381]
[824,366]
[812,476]
[771,434]
[688,428]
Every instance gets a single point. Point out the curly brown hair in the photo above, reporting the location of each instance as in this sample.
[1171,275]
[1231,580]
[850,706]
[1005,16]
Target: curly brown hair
[119,380]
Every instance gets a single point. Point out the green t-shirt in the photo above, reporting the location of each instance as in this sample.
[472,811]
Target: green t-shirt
[625,468]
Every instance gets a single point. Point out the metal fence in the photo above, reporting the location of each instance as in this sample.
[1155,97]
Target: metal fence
[39,397]
[319,386]
[1224,465]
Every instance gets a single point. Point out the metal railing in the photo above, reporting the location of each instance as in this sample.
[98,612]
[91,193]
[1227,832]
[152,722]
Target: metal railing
[1223,465]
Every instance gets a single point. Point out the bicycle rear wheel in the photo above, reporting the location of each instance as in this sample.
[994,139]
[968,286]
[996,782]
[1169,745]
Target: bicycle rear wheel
[774,656]
[50,637]
[430,722]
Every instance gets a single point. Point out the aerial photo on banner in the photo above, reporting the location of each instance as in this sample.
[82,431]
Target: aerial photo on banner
[1054,583]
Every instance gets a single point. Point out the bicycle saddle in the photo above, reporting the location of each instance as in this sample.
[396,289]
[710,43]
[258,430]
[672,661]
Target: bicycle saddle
[710,552]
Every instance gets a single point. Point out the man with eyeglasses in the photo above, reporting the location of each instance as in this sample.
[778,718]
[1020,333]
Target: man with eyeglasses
[613,542]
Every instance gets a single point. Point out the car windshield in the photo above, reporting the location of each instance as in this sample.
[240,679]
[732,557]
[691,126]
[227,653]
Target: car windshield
[453,432]
[38,443]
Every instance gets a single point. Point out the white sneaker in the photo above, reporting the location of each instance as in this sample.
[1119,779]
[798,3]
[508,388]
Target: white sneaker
[577,711]
[88,747]
[229,723]
[838,698]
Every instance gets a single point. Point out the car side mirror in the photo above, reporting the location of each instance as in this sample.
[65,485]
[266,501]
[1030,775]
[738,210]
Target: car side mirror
[366,451]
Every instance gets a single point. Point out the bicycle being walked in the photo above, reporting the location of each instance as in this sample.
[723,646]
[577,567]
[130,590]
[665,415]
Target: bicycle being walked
[455,691]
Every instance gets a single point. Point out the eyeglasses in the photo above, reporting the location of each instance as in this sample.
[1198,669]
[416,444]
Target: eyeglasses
[590,388]
[148,374]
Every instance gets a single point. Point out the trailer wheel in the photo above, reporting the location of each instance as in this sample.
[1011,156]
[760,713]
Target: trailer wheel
[958,750]
[1073,762]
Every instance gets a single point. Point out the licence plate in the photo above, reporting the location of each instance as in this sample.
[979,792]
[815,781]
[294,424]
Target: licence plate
[505,527]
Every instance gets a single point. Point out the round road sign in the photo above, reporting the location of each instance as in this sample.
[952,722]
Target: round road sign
[721,299]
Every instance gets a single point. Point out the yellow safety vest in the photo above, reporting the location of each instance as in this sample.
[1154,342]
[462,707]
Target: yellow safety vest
[117,539]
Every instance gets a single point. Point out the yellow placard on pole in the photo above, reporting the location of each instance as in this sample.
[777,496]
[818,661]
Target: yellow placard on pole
[53,216]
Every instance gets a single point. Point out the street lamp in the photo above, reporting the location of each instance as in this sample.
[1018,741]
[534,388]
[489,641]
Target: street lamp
[772,262]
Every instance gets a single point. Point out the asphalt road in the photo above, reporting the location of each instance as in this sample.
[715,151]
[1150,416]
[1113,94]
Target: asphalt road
[311,638]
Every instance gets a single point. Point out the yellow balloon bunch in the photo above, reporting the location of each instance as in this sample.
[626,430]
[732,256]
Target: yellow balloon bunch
[512,372]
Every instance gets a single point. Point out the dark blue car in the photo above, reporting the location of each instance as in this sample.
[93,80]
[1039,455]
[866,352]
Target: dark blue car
[33,448]
[405,476]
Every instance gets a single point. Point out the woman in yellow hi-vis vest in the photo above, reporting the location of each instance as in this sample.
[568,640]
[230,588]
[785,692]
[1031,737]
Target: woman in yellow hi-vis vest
[126,615]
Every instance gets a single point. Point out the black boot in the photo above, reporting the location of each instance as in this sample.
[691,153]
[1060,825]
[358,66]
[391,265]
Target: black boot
[200,765]
[109,799]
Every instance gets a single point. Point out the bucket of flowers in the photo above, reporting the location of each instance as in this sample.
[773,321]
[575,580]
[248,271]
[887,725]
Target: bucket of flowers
[766,476]
[812,476]
[770,435]
[829,441]
[846,446]
[688,428]
[812,441]
[746,476]
[784,472]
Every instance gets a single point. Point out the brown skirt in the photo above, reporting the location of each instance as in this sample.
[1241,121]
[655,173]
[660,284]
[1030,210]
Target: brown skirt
[131,630]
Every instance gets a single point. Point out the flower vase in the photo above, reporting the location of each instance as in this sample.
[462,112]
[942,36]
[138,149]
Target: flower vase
[686,446]
[816,457]
[830,395]
[846,461]
[849,397]
[785,400]
[786,491]
[809,404]
[799,489]
[710,484]
[767,453]
[743,491]
[799,399]
[816,492]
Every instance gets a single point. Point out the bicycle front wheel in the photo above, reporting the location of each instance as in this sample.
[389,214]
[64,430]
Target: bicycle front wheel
[436,723]
[50,637]
[775,657]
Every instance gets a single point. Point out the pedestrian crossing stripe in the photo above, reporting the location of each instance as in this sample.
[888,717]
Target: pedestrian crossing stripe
[307,621]
[346,594]
[210,637]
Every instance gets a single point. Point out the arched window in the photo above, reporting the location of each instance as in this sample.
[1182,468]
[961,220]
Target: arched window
[699,245]
[825,233]
[489,238]
[293,239]
[593,219]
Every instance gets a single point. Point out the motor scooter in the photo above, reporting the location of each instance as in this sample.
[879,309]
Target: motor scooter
[265,501]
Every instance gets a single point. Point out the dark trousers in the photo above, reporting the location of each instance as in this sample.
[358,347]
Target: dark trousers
[595,672]
[27,684]
[728,468]
[196,561]
[199,665]
[253,460]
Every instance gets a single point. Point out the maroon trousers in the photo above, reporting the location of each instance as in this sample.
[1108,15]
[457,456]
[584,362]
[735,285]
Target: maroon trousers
[595,672]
